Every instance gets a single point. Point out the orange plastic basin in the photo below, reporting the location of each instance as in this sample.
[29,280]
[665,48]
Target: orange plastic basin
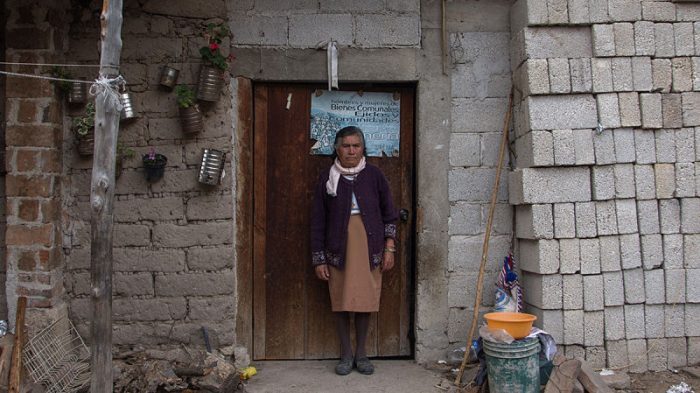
[517,324]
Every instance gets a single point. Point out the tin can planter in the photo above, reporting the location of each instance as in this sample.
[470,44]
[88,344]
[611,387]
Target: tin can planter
[211,81]
[211,170]
[168,77]
[77,94]
[85,143]
[191,119]
[154,167]
[128,111]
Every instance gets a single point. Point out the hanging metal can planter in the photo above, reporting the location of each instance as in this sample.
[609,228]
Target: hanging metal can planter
[128,112]
[77,93]
[86,143]
[168,76]
[211,81]
[191,120]
[211,170]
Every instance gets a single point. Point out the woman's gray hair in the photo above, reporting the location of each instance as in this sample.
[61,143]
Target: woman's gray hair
[348,131]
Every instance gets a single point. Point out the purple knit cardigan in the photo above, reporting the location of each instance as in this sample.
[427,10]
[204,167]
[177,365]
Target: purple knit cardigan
[330,216]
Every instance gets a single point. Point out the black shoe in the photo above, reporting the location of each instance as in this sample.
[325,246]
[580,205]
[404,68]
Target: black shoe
[344,367]
[364,366]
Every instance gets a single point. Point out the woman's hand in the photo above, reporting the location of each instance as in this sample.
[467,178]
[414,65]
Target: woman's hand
[387,261]
[322,272]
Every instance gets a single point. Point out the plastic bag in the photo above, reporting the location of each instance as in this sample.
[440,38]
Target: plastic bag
[495,335]
[504,302]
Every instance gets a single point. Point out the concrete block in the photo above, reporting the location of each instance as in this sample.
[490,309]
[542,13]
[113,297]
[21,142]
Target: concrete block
[606,217]
[564,151]
[685,145]
[574,351]
[306,31]
[630,251]
[644,42]
[478,114]
[264,30]
[536,76]
[650,105]
[691,109]
[614,323]
[528,13]
[696,72]
[544,291]
[557,41]
[569,256]
[534,221]
[624,10]
[626,210]
[690,212]
[467,184]
[648,214]
[617,353]
[655,286]
[665,146]
[682,74]
[664,40]
[672,110]
[622,74]
[670,216]
[562,112]
[586,220]
[683,38]
[603,40]
[637,352]
[465,219]
[658,354]
[502,218]
[595,356]
[590,256]
[593,292]
[645,146]
[634,286]
[609,253]
[558,11]
[608,110]
[658,11]
[573,327]
[677,352]
[665,180]
[691,251]
[579,12]
[673,251]
[634,321]
[572,287]
[559,77]
[685,179]
[594,328]
[464,150]
[693,350]
[624,180]
[564,220]
[654,320]
[604,145]
[645,182]
[551,321]
[603,178]
[692,291]
[536,148]
[601,71]
[641,73]
[573,185]
[624,39]
[584,147]
[581,77]
[374,30]
[652,251]
[692,320]
[674,320]
[675,285]
[464,252]
[598,10]
[539,256]
[661,75]
[630,112]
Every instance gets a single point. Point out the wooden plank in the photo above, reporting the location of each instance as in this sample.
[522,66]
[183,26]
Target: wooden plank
[7,343]
[16,366]
[244,213]
[259,222]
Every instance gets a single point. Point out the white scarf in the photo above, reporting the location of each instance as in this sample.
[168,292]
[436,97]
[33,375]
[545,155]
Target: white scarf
[337,170]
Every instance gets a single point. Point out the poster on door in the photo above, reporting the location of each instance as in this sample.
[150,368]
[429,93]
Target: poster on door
[377,114]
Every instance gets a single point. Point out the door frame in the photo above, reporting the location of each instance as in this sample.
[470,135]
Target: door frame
[243,218]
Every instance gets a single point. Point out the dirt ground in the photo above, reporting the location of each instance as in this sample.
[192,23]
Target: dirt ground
[660,382]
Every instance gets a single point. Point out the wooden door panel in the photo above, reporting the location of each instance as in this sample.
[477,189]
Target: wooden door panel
[291,307]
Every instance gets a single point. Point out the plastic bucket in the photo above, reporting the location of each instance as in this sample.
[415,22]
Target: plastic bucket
[513,367]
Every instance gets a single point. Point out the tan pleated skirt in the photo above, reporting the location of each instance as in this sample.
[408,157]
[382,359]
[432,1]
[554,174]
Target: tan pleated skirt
[355,288]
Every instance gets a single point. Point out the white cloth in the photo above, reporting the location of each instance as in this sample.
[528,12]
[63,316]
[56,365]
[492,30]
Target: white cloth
[337,170]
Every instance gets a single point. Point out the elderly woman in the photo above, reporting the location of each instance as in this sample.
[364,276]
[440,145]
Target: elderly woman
[353,233]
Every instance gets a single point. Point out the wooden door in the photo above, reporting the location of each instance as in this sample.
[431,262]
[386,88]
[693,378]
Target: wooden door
[292,318]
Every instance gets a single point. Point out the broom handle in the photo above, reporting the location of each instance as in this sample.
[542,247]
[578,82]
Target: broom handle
[487,236]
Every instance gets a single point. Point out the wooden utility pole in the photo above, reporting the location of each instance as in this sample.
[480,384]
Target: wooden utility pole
[102,198]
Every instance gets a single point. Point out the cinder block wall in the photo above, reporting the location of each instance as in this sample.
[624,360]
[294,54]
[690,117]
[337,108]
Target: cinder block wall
[607,183]
[173,239]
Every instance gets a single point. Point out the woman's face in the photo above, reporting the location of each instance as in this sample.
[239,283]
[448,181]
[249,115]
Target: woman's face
[350,151]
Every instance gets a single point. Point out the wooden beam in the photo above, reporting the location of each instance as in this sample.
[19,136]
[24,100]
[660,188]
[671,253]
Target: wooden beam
[16,365]
[102,199]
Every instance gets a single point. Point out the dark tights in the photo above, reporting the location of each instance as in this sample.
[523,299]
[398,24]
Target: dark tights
[361,327]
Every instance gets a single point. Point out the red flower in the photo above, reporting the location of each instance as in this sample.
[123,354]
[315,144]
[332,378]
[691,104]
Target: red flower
[213,46]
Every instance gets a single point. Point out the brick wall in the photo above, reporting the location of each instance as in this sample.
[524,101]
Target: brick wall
[606,184]
[173,239]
